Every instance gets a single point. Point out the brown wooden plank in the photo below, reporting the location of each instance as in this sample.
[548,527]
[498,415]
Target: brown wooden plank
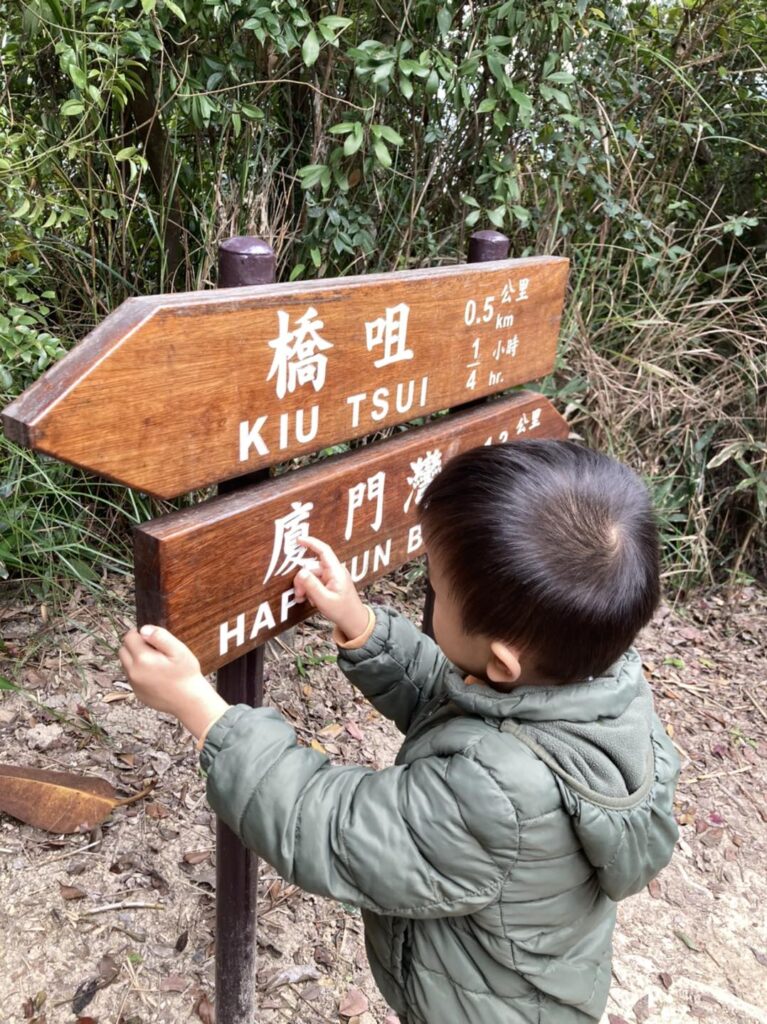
[175,392]
[216,575]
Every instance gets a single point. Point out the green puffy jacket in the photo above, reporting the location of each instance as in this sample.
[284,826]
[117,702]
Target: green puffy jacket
[489,858]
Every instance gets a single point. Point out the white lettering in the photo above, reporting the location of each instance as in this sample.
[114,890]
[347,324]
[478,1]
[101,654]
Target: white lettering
[414,538]
[399,400]
[423,470]
[288,532]
[424,386]
[263,620]
[298,354]
[371,489]
[236,633]
[356,401]
[380,401]
[287,601]
[382,555]
[250,437]
[390,332]
[355,571]
[303,436]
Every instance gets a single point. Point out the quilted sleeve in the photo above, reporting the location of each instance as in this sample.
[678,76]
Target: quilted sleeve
[435,838]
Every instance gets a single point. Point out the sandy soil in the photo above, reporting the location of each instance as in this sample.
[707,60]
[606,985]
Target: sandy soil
[116,926]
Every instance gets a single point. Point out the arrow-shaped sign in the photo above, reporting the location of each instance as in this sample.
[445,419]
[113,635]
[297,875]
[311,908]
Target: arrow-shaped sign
[176,392]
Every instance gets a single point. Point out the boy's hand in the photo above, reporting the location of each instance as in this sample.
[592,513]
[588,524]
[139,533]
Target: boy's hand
[330,589]
[166,676]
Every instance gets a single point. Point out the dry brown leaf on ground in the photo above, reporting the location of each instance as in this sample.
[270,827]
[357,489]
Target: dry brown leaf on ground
[205,1009]
[58,801]
[293,976]
[354,1003]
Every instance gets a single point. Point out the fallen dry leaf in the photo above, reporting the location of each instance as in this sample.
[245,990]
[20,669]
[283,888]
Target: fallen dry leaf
[174,983]
[330,732]
[205,1010]
[353,1003]
[642,1009]
[108,970]
[70,892]
[196,856]
[157,810]
[84,992]
[324,956]
[665,980]
[293,976]
[354,731]
[32,1005]
[58,801]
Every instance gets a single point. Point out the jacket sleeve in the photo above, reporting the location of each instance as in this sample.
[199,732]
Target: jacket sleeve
[435,838]
[398,669]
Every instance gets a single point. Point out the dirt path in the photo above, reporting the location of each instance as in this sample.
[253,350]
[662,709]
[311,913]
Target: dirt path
[693,947]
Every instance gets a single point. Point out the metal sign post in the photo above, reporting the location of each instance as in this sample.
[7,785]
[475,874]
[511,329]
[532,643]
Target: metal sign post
[241,261]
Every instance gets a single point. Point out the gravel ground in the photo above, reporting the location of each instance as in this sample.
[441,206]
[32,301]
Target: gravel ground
[117,925]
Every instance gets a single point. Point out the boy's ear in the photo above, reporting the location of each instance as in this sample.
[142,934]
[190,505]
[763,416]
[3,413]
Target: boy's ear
[503,665]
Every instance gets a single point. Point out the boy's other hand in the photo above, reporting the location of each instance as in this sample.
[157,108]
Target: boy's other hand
[330,589]
[166,676]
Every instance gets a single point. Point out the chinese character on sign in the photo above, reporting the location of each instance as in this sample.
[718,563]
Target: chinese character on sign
[390,331]
[371,489]
[506,348]
[535,419]
[288,532]
[507,292]
[425,468]
[522,423]
[298,357]
[523,284]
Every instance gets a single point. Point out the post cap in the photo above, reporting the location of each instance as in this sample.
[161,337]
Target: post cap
[245,260]
[488,245]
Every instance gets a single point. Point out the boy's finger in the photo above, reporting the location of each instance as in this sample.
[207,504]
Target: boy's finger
[328,557]
[312,586]
[126,658]
[133,643]
[163,641]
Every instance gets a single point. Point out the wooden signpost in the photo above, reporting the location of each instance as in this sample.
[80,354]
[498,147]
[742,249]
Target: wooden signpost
[176,392]
[364,504]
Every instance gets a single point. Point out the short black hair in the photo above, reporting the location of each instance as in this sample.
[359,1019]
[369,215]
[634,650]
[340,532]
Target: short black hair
[550,546]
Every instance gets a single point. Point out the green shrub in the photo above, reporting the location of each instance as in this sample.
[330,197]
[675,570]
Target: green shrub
[134,136]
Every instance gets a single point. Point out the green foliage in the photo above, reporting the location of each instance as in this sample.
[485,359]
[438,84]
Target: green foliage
[629,136]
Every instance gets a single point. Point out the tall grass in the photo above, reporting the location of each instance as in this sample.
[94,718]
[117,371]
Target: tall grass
[629,138]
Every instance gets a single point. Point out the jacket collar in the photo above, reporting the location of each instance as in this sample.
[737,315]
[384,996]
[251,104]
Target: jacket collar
[607,696]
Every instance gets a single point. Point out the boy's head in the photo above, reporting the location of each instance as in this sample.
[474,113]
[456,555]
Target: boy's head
[544,560]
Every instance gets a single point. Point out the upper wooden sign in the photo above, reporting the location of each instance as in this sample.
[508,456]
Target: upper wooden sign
[219,575]
[175,392]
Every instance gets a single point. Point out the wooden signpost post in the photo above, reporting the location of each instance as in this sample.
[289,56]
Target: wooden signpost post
[176,392]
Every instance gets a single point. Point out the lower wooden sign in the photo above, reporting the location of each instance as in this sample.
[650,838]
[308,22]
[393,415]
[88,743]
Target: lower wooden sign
[219,575]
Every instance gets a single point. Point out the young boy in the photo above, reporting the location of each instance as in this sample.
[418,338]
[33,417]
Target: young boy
[534,786]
